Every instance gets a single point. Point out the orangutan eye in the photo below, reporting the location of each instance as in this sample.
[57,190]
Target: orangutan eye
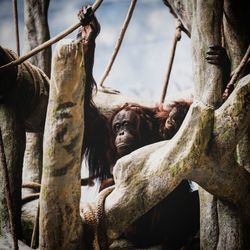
[125,124]
[117,126]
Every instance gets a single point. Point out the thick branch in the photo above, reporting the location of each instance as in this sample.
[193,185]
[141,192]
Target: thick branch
[60,223]
[232,118]
[143,175]
[206,31]
[107,103]
[36,32]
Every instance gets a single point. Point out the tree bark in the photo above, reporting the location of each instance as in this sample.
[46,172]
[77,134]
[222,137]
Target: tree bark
[236,38]
[60,223]
[36,32]
[211,169]
[14,144]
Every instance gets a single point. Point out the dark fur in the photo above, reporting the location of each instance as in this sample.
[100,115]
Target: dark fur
[97,146]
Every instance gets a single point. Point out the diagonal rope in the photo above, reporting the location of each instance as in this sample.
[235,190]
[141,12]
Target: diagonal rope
[119,41]
[48,43]
[177,37]
[236,73]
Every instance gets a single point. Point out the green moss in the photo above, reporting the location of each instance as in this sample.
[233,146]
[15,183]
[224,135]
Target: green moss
[174,171]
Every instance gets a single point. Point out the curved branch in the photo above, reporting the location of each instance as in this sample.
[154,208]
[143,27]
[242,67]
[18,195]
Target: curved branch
[232,118]
[143,175]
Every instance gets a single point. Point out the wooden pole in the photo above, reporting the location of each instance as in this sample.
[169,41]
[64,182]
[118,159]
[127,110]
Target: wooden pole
[15,18]
[8,193]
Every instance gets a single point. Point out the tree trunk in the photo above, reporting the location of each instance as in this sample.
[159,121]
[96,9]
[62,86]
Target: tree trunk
[24,89]
[14,144]
[215,171]
[236,34]
[36,32]
[60,223]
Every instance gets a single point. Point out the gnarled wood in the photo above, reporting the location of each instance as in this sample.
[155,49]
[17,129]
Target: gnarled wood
[149,174]
[136,186]
[13,142]
[60,223]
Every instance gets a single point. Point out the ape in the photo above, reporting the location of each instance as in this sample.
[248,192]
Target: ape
[175,220]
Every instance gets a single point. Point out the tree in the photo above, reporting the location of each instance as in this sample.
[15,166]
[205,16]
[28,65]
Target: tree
[204,150]
[211,135]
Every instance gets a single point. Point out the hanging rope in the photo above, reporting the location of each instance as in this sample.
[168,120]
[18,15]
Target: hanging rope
[15,17]
[48,43]
[94,221]
[8,193]
[119,41]
[236,74]
[177,37]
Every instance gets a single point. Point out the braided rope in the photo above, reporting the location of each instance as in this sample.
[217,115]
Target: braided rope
[95,235]
[100,214]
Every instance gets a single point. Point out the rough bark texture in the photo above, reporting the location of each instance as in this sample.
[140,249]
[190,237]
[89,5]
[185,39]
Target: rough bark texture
[32,171]
[13,140]
[26,87]
[37,31]
[206,23]
[213,167]
[149,174]
[60,223]
[6,243]
[236,35]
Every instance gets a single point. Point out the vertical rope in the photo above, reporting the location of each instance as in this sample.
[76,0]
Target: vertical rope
[119,41]
[15,18]
[177,37]
[8,193]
